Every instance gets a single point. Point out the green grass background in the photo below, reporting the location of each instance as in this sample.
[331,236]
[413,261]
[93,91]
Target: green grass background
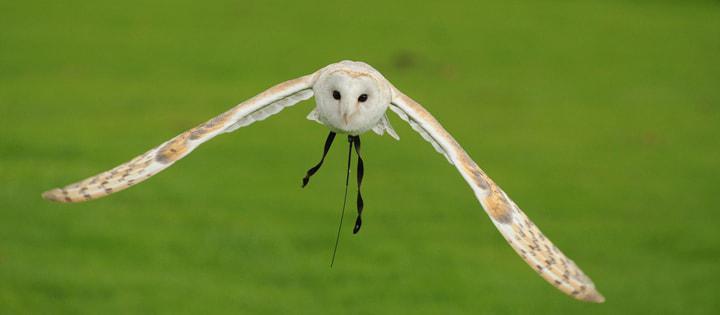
[599,118]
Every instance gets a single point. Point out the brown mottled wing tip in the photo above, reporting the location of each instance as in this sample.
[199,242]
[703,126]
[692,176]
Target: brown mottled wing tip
[595,297]
[54,195]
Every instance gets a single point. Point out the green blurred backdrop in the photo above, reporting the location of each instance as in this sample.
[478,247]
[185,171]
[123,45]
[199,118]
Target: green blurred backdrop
[599,118]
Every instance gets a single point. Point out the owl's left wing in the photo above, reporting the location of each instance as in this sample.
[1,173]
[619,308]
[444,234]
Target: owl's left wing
[521,233]
[161,157]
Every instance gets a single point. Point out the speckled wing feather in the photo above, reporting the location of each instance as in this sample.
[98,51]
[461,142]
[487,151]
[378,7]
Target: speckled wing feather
[524,236]
[159,158]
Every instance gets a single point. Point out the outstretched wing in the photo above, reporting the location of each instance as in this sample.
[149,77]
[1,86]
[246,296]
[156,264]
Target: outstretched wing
[159,158]
[522,234]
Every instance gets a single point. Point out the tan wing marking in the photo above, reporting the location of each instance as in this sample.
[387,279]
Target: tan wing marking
[175,149]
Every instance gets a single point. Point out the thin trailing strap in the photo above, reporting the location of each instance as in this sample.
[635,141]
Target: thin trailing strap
[342,213]
[310,172]
[360,172]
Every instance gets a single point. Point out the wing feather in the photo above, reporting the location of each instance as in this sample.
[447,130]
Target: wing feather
[521,233]
[144,166]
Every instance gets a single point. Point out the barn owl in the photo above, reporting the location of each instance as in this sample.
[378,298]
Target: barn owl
[353,98]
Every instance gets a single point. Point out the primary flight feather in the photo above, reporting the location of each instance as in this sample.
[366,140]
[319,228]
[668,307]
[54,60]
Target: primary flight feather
[352,98]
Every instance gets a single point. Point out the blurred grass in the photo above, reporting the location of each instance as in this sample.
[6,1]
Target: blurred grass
[600,118]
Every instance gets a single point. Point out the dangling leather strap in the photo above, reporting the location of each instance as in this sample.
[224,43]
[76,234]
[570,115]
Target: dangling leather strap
[342,212]
[360,172]
[310,172]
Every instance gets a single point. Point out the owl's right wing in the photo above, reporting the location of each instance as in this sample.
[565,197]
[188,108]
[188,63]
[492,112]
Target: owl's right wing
[161,157]
[521,233]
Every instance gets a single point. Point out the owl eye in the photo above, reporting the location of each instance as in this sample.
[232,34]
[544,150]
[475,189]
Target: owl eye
[362,98]
[336,95]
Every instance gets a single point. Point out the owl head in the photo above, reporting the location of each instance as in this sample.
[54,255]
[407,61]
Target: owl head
[351,96]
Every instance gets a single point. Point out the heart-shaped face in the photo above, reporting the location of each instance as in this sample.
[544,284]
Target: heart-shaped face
[351,97]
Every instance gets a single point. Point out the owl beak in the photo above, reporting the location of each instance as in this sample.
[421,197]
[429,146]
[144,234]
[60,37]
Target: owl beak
[345,111]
